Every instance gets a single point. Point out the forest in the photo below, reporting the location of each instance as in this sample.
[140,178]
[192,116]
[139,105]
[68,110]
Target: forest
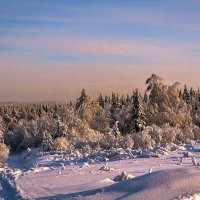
[163,114]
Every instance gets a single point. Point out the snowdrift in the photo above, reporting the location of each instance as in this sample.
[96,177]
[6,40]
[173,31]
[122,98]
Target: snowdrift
[165,185]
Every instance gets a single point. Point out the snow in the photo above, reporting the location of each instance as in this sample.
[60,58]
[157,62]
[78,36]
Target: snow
[165,184]
[58,176]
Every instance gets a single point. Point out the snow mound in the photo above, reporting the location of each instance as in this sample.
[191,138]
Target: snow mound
[165,184]
[39,169]
[106,180]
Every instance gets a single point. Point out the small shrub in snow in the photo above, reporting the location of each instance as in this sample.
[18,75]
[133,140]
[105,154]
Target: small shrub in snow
[168,134]
[109,141]
[188,134]
[126,142]
[142,140]
[146,153]
[155,132]
[171,147]
[181,148]
[162,151]
[4,152]
[91,161]
[123,177]
[195,196]
[61,144]
[85,164]
[106,168]
[196,132]
[187,154]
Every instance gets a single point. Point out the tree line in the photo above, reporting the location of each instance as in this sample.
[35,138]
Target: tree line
[87,121]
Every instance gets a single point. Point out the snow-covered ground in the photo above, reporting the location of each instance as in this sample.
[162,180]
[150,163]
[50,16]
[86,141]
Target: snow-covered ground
[158,174]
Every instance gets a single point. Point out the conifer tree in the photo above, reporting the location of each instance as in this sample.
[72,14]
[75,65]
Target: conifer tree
[1,133]
[85,107]
[99,122]
[145,97]
[84,100]
[115,105]
[192,95]
[115,129]
[61,129]
[128,100]
[122,101]
[137,116]
[180,95]
[115,101]
[107,99]
[70,104]
[186,95]
[101,101]
[198,95]
[47,141]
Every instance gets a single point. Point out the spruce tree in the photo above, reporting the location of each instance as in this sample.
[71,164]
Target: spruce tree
[186,95]
[99,122]
[61,129]
[115,101]
[115,105]
[85,107]
[115,129]
[107,99]
[180,95]
[128,100]
[198,95]
[47,141]
[101,101]
[84,100]
[192,95]
[145,97]
[122,101]
[137,114]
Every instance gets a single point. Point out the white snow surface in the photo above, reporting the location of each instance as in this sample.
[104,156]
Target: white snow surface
[33,175]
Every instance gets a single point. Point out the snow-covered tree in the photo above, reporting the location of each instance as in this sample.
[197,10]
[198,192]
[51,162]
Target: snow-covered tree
[61,129]
[114,109]
[145,99]
[164,104]
[138,116]
[115,129]
[47,142]
[84,100]
[101,101]
[1,130]
[4,152]
[186,95]
[85,107]
[128,100]
[99,121]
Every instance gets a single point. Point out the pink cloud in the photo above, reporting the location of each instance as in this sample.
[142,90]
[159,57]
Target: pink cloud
[173,53]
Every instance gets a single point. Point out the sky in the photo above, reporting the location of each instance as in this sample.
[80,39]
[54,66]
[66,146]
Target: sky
[51,49]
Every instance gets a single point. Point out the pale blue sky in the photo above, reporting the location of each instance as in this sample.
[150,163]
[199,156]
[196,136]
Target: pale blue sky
[61,46]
